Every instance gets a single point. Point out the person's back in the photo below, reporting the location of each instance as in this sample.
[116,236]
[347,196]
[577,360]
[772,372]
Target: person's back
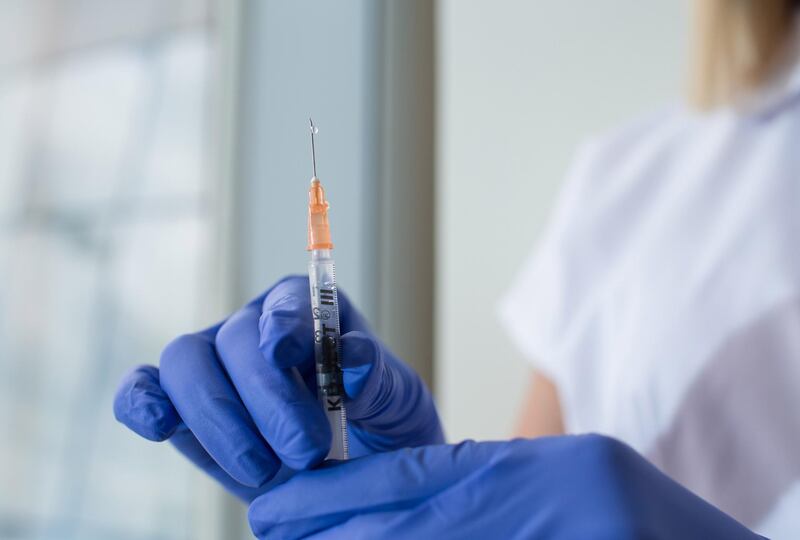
[668,297]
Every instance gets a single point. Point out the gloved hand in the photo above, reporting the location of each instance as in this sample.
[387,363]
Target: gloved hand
[239,399]
[555,488]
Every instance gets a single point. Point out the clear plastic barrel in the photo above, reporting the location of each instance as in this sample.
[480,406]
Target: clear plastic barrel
[327,348]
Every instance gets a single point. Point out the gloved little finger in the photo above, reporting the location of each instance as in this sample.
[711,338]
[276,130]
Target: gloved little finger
[142,405]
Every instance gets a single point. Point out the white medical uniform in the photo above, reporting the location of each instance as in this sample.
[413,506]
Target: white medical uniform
[664,300]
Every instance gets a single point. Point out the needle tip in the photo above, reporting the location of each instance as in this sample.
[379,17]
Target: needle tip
[314,130]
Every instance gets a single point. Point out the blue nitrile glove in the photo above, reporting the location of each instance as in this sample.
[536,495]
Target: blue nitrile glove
[239,399]
[555,488]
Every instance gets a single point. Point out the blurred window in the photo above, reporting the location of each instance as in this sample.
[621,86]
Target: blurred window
[105,239]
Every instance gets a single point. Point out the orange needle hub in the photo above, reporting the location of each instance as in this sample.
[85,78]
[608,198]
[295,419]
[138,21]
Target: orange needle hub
[319,232]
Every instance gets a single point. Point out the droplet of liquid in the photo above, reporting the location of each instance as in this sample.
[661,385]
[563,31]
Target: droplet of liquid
[314,130]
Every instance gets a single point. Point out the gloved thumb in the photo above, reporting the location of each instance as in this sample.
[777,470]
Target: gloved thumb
[362,363]
[389,405]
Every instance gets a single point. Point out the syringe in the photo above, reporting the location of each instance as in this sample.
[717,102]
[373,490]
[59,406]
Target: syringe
[325,311]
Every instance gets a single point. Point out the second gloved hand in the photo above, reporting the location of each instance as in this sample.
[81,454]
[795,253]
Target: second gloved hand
[558,488]
[239,399]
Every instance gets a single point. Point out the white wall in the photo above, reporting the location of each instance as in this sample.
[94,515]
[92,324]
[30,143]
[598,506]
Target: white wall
[300,59]
[521,83]
[364,70]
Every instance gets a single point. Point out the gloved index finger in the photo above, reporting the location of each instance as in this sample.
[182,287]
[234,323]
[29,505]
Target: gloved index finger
[287,414]
[196,384]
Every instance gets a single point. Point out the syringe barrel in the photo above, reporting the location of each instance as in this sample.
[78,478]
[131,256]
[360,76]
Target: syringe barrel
[327,347]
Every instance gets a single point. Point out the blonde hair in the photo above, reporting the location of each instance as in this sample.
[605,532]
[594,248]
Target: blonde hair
[738,45]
